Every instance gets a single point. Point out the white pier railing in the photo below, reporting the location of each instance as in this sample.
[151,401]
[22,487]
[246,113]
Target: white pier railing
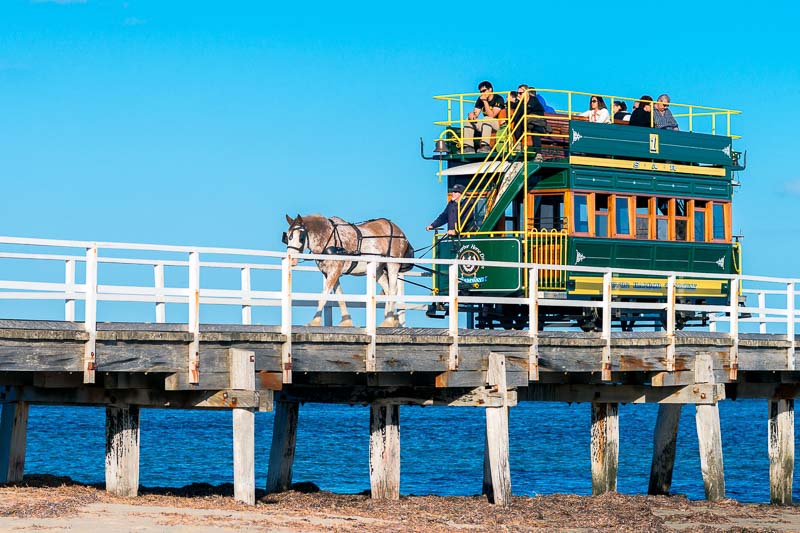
[87,277]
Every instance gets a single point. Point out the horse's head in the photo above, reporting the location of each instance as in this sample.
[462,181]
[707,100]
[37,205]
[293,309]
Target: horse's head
[296,237]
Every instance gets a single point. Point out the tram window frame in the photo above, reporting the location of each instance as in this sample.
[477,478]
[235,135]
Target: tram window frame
[699,207]
[616,199]
[646,232]
[666,219]
[558,222]
[582,223]
[724,211]
[602,211]
[680,204]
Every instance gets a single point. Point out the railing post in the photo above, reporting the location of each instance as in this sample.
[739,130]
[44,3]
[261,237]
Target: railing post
[452,304]
[69,288]
[790,325]
[372,314]
[762,304]
[533,323]
[247,313]
[606,332]
[690,118]
[733,310]
[158,275]
[90,316]
[400,305]
[671,318]
[286,318]
[194,317]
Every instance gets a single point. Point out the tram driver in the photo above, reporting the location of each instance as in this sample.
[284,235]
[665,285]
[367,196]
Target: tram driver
[450,213]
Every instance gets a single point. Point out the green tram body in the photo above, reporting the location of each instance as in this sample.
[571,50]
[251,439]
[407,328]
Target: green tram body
[647,171]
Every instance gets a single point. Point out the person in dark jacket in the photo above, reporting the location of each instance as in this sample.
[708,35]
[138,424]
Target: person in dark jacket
[450,213]
[642,115]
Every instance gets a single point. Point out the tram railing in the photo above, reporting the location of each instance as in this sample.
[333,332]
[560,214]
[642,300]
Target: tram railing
[20,281]
[569,104]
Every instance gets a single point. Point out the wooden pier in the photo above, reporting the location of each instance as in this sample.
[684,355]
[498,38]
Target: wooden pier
[243,368]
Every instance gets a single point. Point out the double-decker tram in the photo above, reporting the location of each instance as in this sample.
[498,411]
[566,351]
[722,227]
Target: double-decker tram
[577,192]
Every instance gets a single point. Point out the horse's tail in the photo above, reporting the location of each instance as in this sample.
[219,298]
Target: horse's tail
[409,254]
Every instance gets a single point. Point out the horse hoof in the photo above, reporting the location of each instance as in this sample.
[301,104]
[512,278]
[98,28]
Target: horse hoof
[389,323]
[346,324]
[315,322]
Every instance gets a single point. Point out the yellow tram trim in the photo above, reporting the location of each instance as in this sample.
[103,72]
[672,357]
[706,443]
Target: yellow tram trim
[630,286]
[649,166]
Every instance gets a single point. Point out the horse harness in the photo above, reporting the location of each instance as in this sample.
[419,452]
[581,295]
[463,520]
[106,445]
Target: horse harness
[333,246]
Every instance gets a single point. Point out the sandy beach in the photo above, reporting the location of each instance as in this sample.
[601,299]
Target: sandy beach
[46,503]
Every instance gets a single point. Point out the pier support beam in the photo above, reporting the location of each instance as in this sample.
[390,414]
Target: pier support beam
[122,450]
[496,466]
[243,377]
[384,451]
[281,454]
[13,438]
[709,435]
[605,447]
[781,451]
[665,440]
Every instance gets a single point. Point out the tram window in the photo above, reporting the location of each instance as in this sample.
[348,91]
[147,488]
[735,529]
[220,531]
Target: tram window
[581,214]
[662,219]
[601,215]
[548,211]
[622,218]
[642,217]
[699,221]
[719,222]
[681,220]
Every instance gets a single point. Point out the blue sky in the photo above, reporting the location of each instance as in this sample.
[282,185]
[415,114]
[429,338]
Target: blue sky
[204,122]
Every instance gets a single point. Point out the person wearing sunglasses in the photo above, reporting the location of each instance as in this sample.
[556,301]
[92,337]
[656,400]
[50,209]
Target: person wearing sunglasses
[662,118]
[490,104]
[597,110]
[642,114]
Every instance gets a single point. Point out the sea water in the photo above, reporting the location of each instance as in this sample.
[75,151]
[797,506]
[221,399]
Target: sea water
[441,448]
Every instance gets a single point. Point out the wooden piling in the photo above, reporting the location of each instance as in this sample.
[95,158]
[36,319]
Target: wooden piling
[284,438]
[709,435]
[605,447]
[13,439]
[243,377]
[665,440]
[496,467]
[122,450]
[384,451]
[781,451]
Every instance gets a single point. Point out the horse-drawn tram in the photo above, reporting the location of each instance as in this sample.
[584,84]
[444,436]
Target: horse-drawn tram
[561,189]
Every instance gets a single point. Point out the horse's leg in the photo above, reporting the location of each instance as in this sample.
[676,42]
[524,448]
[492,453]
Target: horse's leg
[386,282]
[347,320]
[331,279]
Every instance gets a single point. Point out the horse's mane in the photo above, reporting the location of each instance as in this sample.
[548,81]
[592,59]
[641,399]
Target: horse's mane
[316,223]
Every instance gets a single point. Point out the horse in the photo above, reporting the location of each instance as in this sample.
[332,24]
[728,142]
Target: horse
[378,237]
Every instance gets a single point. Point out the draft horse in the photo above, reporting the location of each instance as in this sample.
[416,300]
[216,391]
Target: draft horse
[379,237]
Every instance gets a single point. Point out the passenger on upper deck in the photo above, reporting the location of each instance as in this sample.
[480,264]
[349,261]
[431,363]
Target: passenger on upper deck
[529,118]
[662,118]
[642,114]
[597,110]
[450,213]
[490,104]
[621,111]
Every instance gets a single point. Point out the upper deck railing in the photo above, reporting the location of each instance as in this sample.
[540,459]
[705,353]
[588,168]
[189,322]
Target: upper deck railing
[71,272]
[570,104]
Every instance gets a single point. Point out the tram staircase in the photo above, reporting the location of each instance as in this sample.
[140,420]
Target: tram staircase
[495,184]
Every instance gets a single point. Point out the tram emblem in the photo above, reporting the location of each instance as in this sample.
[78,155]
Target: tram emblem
[470,254]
